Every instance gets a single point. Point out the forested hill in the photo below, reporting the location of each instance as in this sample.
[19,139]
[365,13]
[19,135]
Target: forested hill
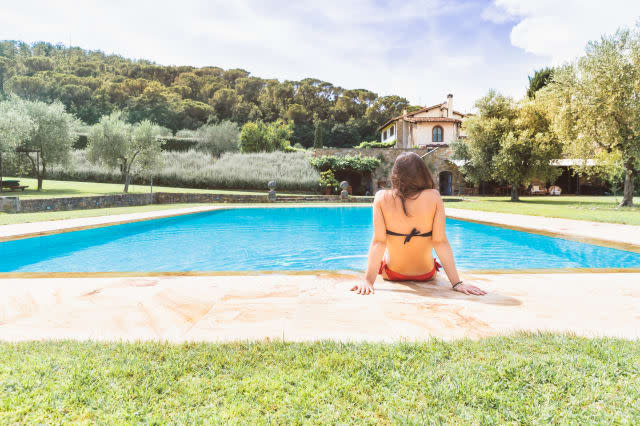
[91,84]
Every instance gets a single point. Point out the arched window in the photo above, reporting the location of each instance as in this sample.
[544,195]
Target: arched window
[437,134]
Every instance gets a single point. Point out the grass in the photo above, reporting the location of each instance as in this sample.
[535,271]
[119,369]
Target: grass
[63,188]
[521,379]
[592,208]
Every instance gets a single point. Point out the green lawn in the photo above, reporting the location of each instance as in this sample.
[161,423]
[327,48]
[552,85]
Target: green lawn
[593,208]
[61,188]
[523,379]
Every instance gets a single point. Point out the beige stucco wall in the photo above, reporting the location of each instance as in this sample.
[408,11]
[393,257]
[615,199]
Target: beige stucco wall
[387,129]
[422,132]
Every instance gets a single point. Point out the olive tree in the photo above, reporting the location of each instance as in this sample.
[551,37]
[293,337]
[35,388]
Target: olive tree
[15,126]
[528,150]
[131,148]
[51,137]
[508,142]
[217,139]
[596,102]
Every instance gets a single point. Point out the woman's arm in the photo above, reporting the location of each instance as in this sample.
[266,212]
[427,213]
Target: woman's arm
[443,249]
[376,249]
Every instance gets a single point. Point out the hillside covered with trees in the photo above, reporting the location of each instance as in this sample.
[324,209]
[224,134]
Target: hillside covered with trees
[92,84]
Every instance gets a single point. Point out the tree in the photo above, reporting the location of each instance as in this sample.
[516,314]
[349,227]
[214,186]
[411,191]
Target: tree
[597,106]
[118,144]
[217,139]
[297,113]
[540,78]
[508,142]
[261,137]
[224,101]
[495,118]
[51,137]
[527,152]
[278,135]
[15,126]
[319,134]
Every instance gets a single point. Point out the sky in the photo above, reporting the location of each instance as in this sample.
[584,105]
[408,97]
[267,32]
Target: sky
[419,49]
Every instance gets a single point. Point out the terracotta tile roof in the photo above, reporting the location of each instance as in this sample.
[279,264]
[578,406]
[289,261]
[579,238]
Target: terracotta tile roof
[435,119]
[418,111]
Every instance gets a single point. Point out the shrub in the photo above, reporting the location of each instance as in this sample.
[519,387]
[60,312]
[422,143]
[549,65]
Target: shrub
[196,169]
[328,180]
[347,163]
[262,137]
[350,168]
[176,143]
[376,144]
[217,139]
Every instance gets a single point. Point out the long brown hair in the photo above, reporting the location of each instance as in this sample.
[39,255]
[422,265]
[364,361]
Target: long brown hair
[410,176]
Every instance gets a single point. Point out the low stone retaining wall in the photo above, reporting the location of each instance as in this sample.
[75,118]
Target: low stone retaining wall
[74,203]
[15,205]
[186,197]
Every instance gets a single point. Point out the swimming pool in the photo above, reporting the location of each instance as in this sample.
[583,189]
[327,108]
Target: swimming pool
[301,238]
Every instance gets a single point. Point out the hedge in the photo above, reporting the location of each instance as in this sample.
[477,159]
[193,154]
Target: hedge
[376,144]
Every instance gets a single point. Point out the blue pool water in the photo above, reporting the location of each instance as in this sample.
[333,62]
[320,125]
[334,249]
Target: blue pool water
[307,238]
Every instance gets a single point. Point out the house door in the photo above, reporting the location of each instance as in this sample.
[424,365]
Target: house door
[445,179]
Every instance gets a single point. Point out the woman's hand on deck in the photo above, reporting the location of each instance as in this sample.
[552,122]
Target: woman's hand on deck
[470,289]
[363,287]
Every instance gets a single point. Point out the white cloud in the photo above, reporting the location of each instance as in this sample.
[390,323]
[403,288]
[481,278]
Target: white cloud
[419,49]
[561,29]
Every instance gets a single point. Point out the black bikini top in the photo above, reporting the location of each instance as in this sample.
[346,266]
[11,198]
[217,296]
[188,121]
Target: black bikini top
[414,233]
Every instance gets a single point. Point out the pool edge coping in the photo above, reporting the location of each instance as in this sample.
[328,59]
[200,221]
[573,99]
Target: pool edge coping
[335,274]
[565,236]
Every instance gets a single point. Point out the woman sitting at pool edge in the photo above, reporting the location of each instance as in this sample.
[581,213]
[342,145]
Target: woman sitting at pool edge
[409,222]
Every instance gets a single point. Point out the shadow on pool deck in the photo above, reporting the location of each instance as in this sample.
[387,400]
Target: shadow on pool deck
[443,291]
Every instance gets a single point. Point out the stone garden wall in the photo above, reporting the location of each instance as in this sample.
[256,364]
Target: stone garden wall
[74,203]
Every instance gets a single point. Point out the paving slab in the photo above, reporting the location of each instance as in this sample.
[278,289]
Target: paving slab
[577,229]
[315,306]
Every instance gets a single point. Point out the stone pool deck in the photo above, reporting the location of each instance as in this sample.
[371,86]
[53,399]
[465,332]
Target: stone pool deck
[312,306]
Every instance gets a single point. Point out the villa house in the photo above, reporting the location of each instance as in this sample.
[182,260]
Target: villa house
[433,128]
[437,125]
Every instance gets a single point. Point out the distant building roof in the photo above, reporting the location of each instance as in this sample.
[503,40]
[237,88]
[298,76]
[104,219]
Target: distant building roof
[424,119]
[441,119]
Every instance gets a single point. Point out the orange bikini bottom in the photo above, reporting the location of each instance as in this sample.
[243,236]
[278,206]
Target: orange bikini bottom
[395,276]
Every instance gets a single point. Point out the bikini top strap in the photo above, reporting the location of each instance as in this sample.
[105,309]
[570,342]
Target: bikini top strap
[414,233]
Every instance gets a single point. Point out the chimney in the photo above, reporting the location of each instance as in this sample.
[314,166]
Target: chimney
[449,105]
[404,112]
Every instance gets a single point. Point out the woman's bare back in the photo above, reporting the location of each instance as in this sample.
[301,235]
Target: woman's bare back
[416,256]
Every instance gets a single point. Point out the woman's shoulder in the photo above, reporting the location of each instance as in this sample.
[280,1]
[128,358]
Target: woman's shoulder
[380,195]
[431,193]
